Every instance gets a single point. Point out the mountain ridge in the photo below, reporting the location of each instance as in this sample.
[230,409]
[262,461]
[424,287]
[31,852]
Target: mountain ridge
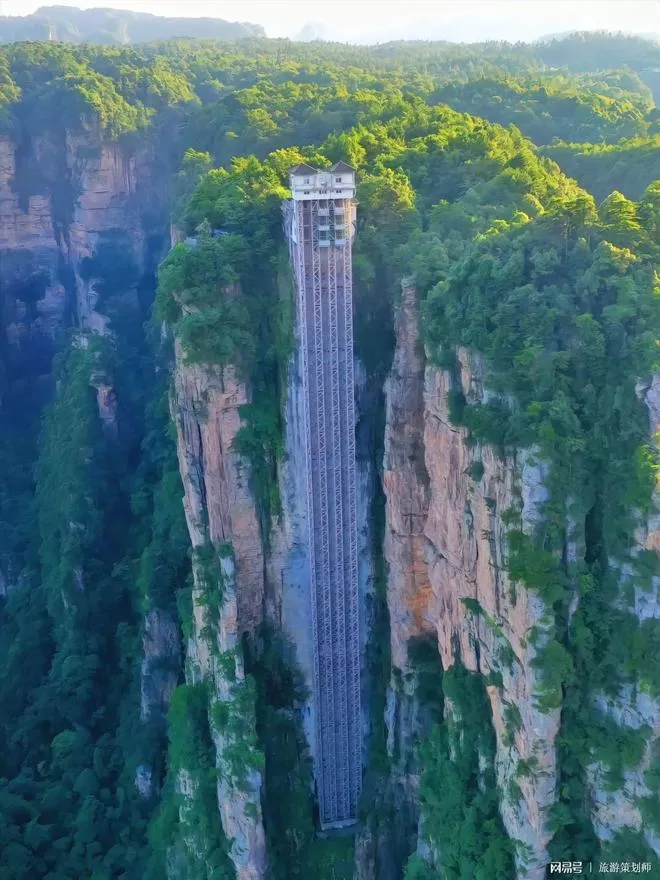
[109,26]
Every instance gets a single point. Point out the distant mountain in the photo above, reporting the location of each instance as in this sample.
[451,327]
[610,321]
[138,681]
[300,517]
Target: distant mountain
[70,25]
[313,30]
[566,35]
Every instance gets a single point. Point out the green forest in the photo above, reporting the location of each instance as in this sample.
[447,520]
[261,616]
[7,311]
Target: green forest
[519,187]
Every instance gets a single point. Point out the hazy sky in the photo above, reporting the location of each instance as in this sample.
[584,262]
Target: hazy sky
[378,20]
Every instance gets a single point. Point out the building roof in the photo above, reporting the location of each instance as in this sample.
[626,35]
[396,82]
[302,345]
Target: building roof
[342,166]
[302,169]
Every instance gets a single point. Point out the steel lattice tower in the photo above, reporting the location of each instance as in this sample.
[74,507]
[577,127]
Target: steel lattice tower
[320,231]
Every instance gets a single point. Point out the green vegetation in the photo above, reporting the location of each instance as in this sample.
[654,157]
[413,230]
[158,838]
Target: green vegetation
[512,721]
[70,732]
[510,257]
[210,583]
[288,772]
[95,539]
[187,828]
[629,845]
[583,108]
[234,719]
[300,93]
[294,848]
[629,166]
[476,470]
[458,791]
[561,302]
[229,301]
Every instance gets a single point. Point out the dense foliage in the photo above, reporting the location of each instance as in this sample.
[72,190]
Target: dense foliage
[628,166]
[510,256]
[70,730]
[122,87]
[608,108]
[458,791]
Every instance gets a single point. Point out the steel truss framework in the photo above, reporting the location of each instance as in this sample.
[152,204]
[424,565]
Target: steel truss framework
[322,262]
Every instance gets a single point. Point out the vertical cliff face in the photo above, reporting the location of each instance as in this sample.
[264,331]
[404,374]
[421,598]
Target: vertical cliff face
[82,220]
[67,205]
[83,223]
[259,583]
[218,503]
[636,706]
[161,662]
[228,594]
[467,561]
[34,299]
[121,203]
[450,505]
[288,606]
[407,486]
[447,549]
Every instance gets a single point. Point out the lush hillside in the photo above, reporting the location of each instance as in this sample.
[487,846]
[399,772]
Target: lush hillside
[300,93]
[629,166]
[137,740]
[548,107]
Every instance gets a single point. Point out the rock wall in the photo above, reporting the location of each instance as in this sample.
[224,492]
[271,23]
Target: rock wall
[33,299]
[159,675]
[383,844]
[445,543]
[218,502]
[77,191]
[634,706]
[220,513]
[407,487]
[62,196]
[160,662]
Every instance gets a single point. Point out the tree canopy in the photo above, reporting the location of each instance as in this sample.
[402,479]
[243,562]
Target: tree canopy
[517,187]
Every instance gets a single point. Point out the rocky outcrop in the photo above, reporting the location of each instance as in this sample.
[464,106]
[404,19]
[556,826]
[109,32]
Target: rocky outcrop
[383,846]
[228,593]
[218,503]
[239,783]
[161,662]
[614,810]
[80,217]
[33,299]
[634,706]
[288,605]
[61,199]
[446,543]
[107,405]
[467,560]
[120,203]
[407,487]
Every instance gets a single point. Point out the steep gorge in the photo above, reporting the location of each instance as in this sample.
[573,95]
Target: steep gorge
[83,224]
[174,554]
[450,505]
